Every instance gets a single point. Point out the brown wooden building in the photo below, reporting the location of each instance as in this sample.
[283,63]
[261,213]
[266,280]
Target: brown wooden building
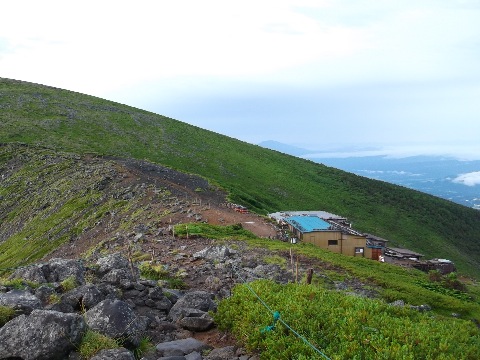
[333,235]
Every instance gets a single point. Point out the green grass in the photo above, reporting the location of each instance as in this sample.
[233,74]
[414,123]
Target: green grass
[261,179]
[6,314]
[339,326]
[93,342]
[154,271]
[213,231]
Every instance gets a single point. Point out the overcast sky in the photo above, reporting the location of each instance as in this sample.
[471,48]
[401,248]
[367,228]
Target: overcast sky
[319,74]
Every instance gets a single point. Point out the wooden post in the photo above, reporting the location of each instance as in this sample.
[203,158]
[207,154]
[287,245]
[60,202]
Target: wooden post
[296,271]
[309,276]
[291,261]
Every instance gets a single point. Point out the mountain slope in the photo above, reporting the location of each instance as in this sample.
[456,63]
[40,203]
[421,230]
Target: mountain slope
[262,179]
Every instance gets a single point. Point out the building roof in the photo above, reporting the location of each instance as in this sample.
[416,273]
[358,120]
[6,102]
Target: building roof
[375,237]
[283,215]
[404,252]
[308,223]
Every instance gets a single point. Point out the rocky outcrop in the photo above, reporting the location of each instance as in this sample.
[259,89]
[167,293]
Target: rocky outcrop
[44,334]
[55,271]
[117,303]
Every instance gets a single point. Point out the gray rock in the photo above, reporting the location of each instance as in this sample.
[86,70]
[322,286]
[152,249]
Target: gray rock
[58,270]
[197,324]
[118,354]
[43,334]
[199,300]
[111,262]
[421,308]
[155,293]
[173,295]
[213,283]
[60,307]
[117,320]
[32,273]
[224,353]
[45,293]
[21,300]
[214,253]
[83,297]
[194,356]
[399,303]
[118,277]
[181,347]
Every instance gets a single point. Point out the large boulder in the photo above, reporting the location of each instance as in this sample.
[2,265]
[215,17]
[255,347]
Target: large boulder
[21,300]
[116,319]
[43,334]
[198,302]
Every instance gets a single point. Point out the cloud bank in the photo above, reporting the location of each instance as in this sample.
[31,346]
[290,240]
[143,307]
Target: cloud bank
[469,179]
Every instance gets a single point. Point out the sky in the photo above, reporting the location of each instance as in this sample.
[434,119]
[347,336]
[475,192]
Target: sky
[397,77]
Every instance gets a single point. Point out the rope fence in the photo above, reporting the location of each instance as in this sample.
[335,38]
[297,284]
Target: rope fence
[277,317]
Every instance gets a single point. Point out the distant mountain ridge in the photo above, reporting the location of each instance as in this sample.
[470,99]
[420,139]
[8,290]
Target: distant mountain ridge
[263,180]
[435,175]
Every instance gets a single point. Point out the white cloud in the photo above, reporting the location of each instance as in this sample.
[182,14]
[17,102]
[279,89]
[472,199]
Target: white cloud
[469,179]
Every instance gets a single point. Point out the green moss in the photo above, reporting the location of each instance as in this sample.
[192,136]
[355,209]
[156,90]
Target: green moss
[6,314]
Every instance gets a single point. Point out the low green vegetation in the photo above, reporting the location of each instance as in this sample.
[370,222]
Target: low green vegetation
[69,283]
[143,348]
[6,314]
[315,322]
[93,342]
[18,284]
[213,231]
[153,271]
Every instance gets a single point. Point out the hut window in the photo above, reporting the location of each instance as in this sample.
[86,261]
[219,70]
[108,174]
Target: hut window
[332,242]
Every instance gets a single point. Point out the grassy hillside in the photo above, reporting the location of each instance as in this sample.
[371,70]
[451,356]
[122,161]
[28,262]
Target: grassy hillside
[259,178]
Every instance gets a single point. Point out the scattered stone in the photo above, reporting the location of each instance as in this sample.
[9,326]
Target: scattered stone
[222,353]
[181,347]
[193,356]
[196,324]
[214,253]
[399,303]
[117,354]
